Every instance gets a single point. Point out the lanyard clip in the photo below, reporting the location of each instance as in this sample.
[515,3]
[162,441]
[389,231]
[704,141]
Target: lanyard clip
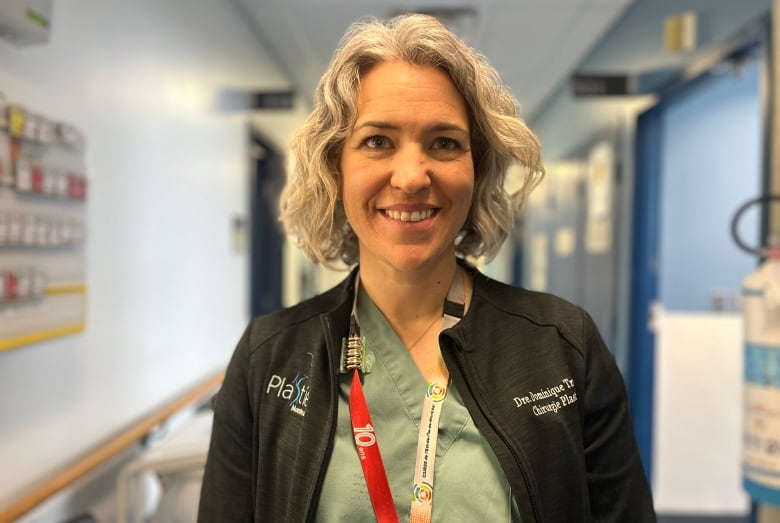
[354,354]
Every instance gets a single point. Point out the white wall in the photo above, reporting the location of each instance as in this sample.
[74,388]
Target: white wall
[167,293]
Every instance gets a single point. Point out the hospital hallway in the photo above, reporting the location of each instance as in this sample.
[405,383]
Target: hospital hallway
[144,146]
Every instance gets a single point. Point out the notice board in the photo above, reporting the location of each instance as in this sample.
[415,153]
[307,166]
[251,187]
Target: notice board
[43,196]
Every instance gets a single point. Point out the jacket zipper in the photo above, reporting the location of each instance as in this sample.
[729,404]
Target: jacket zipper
[329,337]
[518,460]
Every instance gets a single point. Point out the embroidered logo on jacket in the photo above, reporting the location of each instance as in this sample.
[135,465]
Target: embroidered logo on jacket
[548,399]
[295,390]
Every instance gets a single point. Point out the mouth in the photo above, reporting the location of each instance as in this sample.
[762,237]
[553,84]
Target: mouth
[409,216]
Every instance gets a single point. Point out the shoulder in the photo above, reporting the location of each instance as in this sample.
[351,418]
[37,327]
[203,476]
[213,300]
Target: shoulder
[538,307]
[301,317]
[532,310]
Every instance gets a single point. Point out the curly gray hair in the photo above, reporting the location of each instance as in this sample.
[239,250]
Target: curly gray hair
[311,210]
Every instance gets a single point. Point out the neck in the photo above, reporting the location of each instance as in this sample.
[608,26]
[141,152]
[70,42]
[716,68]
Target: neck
[408,298]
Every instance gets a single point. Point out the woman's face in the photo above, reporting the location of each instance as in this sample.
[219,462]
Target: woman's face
[407,171]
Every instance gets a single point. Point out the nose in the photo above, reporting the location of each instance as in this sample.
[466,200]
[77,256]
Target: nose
[410,170]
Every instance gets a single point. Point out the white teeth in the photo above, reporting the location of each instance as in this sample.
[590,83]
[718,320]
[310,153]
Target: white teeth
[405,216]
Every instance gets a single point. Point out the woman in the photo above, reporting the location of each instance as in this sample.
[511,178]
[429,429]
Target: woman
[418,375]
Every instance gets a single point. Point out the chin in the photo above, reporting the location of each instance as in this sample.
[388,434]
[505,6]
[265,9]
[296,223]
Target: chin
[417,261]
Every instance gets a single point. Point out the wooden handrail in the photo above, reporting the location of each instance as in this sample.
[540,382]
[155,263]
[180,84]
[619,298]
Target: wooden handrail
[108,450]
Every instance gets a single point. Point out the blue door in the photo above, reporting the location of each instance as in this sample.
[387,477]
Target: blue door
[698,158]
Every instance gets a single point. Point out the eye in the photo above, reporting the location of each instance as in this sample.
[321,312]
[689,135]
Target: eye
[376,142]
[447,144]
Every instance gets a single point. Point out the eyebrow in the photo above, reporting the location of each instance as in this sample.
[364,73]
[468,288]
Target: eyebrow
[439,127]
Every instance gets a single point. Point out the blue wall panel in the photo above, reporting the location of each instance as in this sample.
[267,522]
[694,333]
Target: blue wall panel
[711,165]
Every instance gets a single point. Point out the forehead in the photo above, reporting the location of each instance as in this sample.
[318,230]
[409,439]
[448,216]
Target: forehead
[397,87]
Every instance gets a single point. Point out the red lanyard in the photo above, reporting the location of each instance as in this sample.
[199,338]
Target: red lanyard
[363,430]
[370,458]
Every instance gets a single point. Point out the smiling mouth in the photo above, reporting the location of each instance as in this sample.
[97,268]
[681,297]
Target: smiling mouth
[406,216]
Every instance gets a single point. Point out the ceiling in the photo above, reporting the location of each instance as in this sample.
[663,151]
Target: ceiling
[534,44]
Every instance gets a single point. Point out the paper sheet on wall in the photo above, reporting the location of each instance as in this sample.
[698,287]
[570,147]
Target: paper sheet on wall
[565,242]
[598,224]
[697,413]
[539,262]
[598,235]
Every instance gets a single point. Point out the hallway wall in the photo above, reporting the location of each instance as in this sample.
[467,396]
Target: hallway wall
[635,46]
[167,290]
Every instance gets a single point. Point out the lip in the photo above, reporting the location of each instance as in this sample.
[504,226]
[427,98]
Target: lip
[407,207]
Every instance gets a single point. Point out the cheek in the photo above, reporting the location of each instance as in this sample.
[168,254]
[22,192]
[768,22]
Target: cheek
[354,195]
[467,186]
[467,192]
[468,203]
[362,180]
[345,177]
[349,189]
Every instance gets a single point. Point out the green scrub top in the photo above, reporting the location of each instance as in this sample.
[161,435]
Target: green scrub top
[469,484]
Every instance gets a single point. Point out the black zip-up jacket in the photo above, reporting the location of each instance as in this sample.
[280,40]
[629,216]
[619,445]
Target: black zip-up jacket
[533,372]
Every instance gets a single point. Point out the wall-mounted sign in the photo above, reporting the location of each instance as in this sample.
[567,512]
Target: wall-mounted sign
[601,84]
[272,100]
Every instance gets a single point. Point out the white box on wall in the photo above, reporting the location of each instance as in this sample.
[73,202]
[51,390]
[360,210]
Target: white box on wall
[25,22]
